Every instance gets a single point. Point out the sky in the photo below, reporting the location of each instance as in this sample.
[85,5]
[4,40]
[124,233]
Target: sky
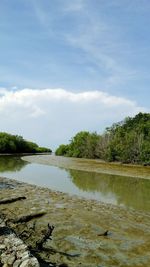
[68,66]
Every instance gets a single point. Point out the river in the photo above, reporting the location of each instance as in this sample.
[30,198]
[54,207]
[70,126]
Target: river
[126,191]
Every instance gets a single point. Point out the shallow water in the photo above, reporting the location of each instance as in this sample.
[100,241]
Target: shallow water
[119,190]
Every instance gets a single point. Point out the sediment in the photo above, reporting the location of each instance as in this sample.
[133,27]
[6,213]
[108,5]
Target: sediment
[79,225]
[92,165]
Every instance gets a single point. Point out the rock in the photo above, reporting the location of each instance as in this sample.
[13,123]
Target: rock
[22,247]
[32,262]
[2,247]
[17,263]
[25,255]
[25,263]
[13,252]
[11,260]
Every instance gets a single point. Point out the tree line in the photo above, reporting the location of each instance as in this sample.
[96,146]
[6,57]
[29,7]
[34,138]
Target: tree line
[17,144]
[127,141]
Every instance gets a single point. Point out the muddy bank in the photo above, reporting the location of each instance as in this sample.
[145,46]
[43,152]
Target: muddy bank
[92,165]
[78,238]
[13,252]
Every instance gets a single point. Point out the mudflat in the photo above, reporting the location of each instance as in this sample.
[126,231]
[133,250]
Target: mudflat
[79,237]
[92,165]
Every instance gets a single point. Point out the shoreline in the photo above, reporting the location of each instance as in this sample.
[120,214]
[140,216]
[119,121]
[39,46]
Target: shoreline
[79,224]
[91,165]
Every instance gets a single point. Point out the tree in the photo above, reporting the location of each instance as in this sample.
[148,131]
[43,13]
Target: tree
[16,144]
[127,141]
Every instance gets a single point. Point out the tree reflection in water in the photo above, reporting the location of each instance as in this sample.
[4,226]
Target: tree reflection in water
[11,163]
[129,191]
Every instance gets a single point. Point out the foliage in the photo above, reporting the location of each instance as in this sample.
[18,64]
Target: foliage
[83,145]
[62,150]
[127,141]
[16,144]
[130,140]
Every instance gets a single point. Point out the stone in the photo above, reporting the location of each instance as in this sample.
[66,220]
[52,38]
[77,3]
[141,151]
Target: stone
[2,247]
[11,260]
[32,262]
[15,253]
[22,247]
[17,263]
[25,255]
[25,263]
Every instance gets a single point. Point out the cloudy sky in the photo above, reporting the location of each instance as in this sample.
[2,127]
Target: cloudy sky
[67,66]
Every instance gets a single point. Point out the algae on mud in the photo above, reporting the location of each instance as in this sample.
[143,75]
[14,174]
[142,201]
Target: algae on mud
[78,223]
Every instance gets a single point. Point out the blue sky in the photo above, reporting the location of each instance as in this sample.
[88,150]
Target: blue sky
[72,47]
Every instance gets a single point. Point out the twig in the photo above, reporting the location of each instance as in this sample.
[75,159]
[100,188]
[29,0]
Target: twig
[48,234]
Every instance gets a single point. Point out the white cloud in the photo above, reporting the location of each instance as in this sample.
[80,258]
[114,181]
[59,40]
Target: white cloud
[53,116]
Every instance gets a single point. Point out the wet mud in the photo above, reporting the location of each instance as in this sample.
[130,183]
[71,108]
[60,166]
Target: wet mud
[78,237]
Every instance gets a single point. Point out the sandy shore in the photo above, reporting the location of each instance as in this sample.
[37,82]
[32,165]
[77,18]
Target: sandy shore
[79,223]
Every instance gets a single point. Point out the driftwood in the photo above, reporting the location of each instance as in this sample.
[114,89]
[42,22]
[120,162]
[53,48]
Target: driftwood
[28,217]
[10,200]
[48,234]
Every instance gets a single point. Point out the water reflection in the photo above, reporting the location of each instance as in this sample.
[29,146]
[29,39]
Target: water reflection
[119,190]
[128,191]
[11,163]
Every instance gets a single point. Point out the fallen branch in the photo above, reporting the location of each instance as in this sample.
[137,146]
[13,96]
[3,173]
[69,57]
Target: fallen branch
[29,217]
[48,234]
[10,200]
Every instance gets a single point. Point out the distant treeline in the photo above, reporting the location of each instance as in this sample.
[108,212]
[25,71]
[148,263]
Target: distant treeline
[16,144]
[127,141]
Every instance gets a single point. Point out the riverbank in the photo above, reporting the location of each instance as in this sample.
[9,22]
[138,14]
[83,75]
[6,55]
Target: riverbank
[92,165]
[78,238]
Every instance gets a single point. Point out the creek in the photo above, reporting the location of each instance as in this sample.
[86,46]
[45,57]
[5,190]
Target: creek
[130,192]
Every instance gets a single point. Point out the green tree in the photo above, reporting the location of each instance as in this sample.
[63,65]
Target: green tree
[127,141]
[16,144]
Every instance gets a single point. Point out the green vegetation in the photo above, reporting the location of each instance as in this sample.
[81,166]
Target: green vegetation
[127,141]
[16,144]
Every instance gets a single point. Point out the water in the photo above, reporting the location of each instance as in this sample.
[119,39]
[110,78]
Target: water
[119,190]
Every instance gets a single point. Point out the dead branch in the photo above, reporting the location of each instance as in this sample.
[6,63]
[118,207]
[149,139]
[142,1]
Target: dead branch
[48,234]
[10,200]
[28,217]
